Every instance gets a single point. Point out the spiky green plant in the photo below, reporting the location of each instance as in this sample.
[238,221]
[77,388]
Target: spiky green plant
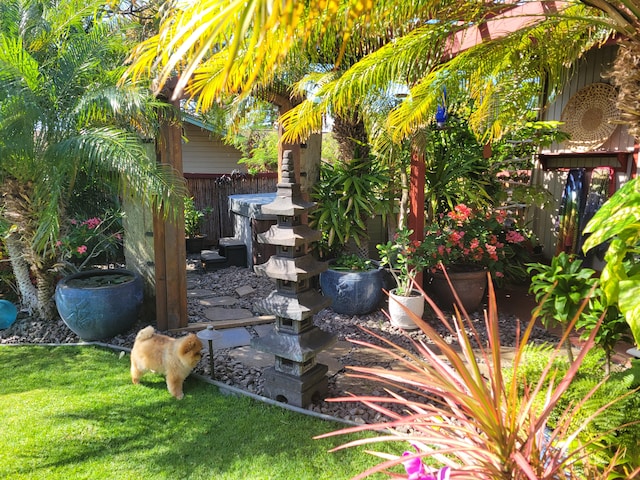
[469,417]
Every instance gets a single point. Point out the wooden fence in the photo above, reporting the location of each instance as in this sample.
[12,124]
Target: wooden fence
[210,190]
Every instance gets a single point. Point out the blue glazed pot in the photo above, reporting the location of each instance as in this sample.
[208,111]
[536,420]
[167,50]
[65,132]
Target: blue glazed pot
[353,293]
[8,314]
[98,304]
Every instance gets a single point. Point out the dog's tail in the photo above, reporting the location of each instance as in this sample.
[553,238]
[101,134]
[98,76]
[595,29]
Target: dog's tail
[145,333]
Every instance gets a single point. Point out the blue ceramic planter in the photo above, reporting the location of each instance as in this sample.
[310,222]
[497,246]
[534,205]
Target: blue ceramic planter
[353,293]
[8,314]
[99,304]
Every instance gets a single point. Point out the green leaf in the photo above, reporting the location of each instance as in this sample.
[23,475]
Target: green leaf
[629,304]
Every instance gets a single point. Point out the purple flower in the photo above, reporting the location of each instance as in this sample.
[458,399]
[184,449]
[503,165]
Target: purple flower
[416,471]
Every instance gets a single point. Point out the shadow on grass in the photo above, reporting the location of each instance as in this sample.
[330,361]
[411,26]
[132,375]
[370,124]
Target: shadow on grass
[74,411]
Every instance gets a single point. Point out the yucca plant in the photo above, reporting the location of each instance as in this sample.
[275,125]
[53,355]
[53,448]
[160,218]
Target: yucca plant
[469,418]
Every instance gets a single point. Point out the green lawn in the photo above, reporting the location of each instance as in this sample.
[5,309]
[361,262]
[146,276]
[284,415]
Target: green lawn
[72,412]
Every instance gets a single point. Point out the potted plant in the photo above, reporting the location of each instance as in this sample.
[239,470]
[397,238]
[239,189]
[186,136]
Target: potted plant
[353,283]
[192,224]
[468,244]
[347,194]
[95,303]
[405,260]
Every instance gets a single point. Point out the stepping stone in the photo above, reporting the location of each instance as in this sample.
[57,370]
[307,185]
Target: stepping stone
[218,302]
[220,313]
[199,293]
[263,330]
[246,290]
[252,358]
[231,338]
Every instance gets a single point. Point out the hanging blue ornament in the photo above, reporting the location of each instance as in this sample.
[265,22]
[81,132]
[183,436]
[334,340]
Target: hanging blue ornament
[441,110]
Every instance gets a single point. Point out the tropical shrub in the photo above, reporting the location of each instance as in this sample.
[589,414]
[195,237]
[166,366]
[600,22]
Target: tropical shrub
[617,429]
[613,330]
[561,289]
[347,194]
[616,222]
[464,415]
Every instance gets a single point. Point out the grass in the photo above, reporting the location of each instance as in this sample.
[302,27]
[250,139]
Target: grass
[72,412]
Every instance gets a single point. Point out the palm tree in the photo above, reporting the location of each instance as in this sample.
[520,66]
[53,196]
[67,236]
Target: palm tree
[61,115]
[212,45]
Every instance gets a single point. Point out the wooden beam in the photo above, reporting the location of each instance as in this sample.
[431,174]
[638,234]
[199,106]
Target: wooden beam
[224,324]
[415,221]
[513,18]
[169,241]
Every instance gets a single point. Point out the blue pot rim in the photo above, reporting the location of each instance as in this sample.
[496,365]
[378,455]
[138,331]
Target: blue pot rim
[98,272]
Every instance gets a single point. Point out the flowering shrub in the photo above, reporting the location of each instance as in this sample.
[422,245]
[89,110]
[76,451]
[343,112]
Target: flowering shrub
[467,237]
[406,259]
[86,241]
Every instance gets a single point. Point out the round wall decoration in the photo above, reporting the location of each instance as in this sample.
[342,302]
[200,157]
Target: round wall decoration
[589,117]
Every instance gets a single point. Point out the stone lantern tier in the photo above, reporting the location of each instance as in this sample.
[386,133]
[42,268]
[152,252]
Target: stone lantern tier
[295,378]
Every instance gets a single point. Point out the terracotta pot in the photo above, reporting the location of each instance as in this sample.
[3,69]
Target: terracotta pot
[399,316]
[470,285]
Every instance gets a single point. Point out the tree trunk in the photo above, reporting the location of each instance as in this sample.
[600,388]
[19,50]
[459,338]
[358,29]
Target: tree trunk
[26,289]
[28,265]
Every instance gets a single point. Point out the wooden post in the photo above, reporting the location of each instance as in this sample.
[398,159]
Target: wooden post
[415,221]
[169,241]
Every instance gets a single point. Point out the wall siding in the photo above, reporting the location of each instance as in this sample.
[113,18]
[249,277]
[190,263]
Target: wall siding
[203,152]
[544,221]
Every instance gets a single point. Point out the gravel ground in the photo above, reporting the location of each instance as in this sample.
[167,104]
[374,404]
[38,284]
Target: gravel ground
[29,330]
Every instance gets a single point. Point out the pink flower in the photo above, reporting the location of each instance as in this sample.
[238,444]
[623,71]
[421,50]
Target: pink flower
[58,243]
[514,237]
[416,471]
[92,223]
[492,251]
[460,213]
[456,237]
[82,249]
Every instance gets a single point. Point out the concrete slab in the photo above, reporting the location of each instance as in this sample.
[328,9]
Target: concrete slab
[231,338]
[327,358]
[220,313]
[246,290]
[199,293]
[263,330]
[252,358]
[218,301]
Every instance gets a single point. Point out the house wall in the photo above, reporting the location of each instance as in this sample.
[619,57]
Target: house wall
[203,152]
[552,168]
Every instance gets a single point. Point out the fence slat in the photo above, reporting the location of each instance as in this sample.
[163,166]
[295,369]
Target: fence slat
[214,190]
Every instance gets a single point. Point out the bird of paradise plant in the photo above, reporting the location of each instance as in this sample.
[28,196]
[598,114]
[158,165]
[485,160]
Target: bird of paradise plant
[470,419]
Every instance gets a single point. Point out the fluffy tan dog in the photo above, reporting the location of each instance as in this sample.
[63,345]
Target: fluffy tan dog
[173,357]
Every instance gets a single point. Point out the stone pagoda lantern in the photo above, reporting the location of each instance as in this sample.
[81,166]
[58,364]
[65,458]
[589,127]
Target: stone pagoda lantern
[296,378]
